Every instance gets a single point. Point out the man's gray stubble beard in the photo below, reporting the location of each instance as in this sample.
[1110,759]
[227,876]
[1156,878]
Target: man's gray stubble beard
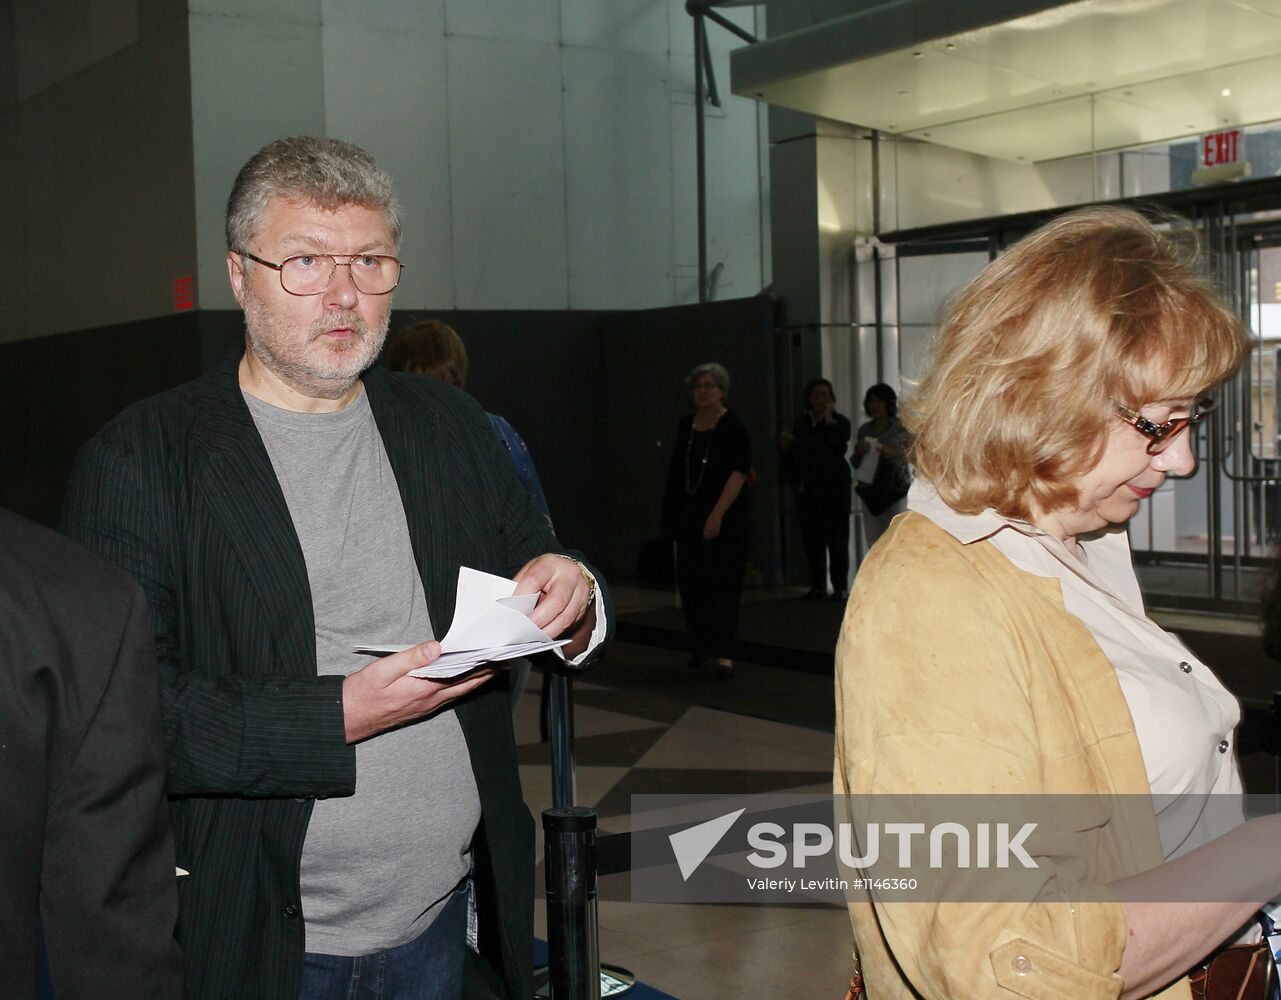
[318,383]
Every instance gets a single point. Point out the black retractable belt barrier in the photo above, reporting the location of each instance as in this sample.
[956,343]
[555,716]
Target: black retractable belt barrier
[570,853]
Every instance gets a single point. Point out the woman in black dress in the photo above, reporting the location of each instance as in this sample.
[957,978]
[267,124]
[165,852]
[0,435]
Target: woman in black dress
[814,453]
[705,510]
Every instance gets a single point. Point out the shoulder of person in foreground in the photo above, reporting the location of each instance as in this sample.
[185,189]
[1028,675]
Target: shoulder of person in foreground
[84,780]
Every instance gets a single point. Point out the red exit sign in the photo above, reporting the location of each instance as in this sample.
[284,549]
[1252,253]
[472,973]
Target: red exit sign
[1220,148]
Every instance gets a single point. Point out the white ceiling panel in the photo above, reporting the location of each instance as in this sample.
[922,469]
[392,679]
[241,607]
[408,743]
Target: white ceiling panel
[1092,75]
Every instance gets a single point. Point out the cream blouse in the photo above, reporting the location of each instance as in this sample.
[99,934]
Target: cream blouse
[1183,717]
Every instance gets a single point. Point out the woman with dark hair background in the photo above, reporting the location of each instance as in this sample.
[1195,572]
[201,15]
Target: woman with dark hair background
[885,440]
[814,455]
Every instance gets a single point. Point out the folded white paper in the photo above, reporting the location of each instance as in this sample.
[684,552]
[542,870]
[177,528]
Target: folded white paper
[491,623]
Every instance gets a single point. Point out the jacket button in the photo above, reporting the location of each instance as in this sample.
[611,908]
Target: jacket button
[1223,746]
[1022,965]
[291,910]
[1185,667]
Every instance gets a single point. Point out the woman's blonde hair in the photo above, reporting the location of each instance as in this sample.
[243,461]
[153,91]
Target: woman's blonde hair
[1095,308]
[430,348]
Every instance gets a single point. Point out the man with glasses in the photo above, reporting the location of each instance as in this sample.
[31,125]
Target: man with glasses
[347,828]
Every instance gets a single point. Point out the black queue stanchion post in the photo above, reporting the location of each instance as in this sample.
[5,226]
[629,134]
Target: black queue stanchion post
[574,971]
[561,731]
[569,853]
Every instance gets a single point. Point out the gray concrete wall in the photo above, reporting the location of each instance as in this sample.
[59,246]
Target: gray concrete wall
[544,149]
[95,162]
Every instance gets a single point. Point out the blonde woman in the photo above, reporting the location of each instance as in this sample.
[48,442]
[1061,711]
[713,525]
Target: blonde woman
[996,640]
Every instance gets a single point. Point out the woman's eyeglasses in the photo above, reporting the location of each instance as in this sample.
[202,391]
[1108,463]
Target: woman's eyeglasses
[1161,436]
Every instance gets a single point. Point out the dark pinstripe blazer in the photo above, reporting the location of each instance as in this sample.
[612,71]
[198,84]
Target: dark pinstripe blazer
[179,491]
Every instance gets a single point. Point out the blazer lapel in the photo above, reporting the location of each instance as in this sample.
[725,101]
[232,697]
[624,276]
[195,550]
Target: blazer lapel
[411,438]
[237,480]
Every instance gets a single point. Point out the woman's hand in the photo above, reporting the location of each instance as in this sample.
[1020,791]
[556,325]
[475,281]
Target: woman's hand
[712,527]
[863,447]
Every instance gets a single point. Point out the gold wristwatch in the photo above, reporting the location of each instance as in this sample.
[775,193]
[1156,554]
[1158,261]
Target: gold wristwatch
[591,580]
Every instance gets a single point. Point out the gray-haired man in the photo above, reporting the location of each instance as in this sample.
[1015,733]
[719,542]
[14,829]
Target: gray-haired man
[278,511]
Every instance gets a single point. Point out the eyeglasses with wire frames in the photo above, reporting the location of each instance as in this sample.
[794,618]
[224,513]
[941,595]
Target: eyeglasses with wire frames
[1161,436]
[310,273]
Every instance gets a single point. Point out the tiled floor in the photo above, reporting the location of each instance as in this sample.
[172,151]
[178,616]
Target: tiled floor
[675,744]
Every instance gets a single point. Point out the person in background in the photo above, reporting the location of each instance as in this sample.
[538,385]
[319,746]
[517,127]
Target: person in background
[434,349]
[705,509]
[814,454]
[86,851]
[882,444]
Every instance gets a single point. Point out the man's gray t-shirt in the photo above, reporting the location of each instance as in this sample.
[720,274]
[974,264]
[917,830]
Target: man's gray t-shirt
[376,866]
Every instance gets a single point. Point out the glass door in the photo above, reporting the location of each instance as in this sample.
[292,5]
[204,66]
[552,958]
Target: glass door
[1205,541]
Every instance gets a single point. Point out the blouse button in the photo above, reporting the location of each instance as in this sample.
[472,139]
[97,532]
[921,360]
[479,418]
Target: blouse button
[1223,746]
[1185,667]
[1022,965]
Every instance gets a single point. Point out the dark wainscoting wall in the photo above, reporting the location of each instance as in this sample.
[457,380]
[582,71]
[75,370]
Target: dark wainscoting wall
[596,396]
[56,391]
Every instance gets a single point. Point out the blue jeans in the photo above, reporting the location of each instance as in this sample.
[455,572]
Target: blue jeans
[430,967]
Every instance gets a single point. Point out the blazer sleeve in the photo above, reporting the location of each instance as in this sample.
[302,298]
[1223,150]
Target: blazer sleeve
[226,733]
[932,700]
[108,901]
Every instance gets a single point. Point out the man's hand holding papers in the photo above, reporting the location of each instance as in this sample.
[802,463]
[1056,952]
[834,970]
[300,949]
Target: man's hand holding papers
[491,623]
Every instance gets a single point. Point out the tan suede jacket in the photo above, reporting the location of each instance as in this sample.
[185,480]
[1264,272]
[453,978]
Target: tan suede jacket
[957,672]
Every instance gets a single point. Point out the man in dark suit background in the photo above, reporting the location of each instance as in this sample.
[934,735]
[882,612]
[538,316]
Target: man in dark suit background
[334,813]
[86,844]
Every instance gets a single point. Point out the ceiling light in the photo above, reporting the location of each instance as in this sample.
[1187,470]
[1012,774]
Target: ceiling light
[1226,92]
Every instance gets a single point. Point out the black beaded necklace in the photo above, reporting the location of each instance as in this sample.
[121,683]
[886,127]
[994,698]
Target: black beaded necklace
[690,490]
